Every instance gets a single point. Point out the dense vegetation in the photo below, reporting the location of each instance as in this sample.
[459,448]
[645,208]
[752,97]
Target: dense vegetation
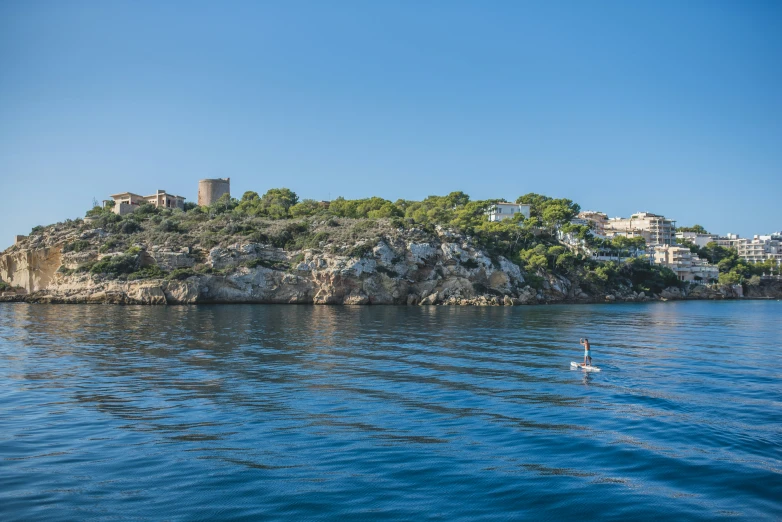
[349,227]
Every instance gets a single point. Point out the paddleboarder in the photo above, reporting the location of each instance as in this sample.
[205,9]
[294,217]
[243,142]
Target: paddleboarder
[587,352]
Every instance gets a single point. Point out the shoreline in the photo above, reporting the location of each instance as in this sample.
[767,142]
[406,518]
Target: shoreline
[44,300]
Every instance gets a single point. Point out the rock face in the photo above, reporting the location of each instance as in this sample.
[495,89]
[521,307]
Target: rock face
[447,268]
[408,269]
[770,289]
[31,269]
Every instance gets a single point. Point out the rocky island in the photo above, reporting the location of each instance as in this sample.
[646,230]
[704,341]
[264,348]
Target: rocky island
[276,249]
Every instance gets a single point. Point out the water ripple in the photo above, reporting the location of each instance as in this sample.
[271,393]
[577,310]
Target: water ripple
[394,413]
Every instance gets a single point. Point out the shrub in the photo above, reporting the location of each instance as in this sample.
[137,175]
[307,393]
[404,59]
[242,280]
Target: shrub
[317,239]
[267,263]
[129,227]
[64,271]
[99,211]
[108,245]
[364,226]
[168,225]
[115,265]
[180,274]
[145,209]
[209,241]
[535,281]
[148,272]
[86,267]
[287,237]
[360,250]
[76,246]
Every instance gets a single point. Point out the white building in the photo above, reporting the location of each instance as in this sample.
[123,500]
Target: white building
[759,249]
[696,238]
[503,210]
[755,250]
[728,241]
[686,265]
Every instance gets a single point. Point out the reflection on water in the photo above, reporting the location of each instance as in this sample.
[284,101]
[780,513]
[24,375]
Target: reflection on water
[389,412]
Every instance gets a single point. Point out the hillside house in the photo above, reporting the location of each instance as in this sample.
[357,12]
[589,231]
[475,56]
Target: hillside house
[503,210]
[127,202]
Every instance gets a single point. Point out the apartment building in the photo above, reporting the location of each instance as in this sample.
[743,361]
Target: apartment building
[696,238]
[655,229]
[756,250]
[686,265]
[596,220]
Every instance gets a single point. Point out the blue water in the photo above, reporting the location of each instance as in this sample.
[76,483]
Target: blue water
[390,413]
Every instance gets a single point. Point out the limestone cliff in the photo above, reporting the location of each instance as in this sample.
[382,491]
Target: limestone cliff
[390,266]
[31,269]
[398,270]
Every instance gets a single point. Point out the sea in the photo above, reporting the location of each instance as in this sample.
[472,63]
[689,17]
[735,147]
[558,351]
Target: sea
[296,412]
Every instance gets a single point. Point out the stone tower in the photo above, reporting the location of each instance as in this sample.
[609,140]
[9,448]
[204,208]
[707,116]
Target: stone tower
[210,190]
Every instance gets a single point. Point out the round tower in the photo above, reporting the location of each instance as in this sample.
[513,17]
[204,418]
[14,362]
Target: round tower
[210,190]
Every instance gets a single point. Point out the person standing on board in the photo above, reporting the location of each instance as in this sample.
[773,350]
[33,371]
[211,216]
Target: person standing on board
[587,352]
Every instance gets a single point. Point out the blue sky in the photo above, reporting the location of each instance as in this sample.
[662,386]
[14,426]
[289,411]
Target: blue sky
[670,107]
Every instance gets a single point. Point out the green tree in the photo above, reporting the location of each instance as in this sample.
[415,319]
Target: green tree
[554,213]
[730,278]
[307,207]
[535,201]
[695,228]
[277,202]
[223,204]
[629,245]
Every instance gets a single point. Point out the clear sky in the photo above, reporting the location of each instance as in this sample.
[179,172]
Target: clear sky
[666,106]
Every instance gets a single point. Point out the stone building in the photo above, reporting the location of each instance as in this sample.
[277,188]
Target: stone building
[210,190]
[127,202]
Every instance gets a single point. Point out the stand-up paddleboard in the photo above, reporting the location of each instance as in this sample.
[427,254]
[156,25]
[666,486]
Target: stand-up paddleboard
[585,367]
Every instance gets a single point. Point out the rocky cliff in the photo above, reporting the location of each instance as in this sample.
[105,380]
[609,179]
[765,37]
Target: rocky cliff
[405,269]
[76,264]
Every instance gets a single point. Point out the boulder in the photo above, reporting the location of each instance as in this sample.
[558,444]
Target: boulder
[429,299]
